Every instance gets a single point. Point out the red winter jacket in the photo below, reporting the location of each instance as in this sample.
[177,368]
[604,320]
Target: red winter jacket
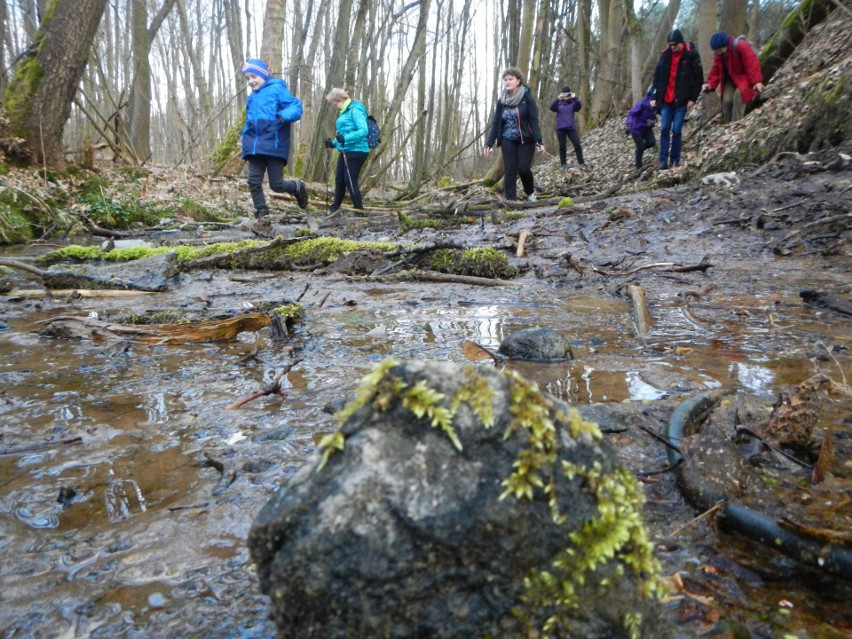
[740,64]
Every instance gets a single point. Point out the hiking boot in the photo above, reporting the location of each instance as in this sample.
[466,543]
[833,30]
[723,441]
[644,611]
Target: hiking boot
[301,194]
[662,166]
[564,167]
[531,197]
[584,167]
[675,164]
[261,212]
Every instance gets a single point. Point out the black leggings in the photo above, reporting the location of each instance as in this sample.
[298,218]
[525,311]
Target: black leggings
[643,141]
[346,178]
[572,135]
[517,162]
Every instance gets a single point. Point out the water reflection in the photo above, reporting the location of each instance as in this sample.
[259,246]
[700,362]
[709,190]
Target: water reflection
[753,378]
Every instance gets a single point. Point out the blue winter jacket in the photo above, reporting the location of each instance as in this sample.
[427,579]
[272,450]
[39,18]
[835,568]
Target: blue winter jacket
[269,112]
[352,125]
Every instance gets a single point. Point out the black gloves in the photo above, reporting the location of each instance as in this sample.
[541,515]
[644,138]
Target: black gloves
[339,138]
[329,143]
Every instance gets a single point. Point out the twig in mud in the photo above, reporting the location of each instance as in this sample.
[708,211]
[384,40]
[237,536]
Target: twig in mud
[795,460]
[274,387]
[324,299]
[701,266]
[661,471]
[304,290]
[715,508]
[31,448]
[665,442]
[789,206]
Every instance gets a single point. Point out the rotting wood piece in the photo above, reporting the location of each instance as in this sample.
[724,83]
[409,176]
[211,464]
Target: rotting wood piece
[70,326]
[435,276]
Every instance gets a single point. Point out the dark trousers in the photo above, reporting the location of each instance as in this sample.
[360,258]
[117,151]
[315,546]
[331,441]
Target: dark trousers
[258,165]
[572,135]
[643,141]
[517,162]
[346,178]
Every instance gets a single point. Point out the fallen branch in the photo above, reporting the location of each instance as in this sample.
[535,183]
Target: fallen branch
[273,388]
[669,266]
[73,293]
[434,276]
[21,266]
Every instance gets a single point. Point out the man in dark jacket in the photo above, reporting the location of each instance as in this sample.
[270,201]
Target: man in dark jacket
[677,85]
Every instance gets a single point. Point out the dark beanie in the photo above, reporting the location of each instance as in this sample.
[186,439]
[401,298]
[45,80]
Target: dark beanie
[256,66]
[719,40]
[675,36]
[566,89]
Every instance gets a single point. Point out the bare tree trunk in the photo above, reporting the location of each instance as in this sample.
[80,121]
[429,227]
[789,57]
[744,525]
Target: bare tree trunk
[40,94]
[754,21]
[706,27]
[732,17]
[525,45]
[3,78]
[273,36]
[142,36]
[583,30]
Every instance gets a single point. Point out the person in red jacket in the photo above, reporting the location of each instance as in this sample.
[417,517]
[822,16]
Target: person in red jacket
[736,72]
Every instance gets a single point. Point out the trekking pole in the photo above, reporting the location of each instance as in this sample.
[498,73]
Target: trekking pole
[346,165]
[327,162]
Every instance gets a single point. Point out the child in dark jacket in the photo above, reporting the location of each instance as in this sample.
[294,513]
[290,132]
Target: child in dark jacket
[270,110]
[640,126]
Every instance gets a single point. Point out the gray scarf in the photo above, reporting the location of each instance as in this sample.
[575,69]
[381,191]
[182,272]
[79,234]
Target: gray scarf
[515,99]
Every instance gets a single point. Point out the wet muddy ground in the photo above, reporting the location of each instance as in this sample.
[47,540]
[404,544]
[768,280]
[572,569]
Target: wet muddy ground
[136,439]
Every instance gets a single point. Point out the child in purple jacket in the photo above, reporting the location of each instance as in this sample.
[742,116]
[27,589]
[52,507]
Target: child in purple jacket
[565,105]
[640,126]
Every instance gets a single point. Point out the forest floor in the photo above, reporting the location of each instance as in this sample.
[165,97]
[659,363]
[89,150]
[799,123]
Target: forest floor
[128,482]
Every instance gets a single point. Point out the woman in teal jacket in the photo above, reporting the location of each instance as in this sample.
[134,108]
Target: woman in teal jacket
[351,141]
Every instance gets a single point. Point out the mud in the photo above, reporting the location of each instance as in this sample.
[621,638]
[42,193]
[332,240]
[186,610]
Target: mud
[124,432]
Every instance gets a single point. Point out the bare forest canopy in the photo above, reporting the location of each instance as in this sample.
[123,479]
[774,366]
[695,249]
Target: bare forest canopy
[158,81]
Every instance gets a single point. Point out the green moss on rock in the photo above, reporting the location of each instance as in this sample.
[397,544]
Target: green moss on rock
[477,262]
[598,553]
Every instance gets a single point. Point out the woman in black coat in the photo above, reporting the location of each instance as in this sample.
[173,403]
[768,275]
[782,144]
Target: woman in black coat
[516,131]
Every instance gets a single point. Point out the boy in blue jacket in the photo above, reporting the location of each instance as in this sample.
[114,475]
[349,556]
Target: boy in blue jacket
[270,109]
[640,125]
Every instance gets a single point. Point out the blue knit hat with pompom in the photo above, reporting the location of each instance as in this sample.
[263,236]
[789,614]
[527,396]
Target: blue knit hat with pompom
[256,66]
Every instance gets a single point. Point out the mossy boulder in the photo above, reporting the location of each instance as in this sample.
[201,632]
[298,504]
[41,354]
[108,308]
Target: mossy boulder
[458,502]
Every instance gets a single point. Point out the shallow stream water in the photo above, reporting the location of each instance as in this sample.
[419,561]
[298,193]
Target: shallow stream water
[108,519]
